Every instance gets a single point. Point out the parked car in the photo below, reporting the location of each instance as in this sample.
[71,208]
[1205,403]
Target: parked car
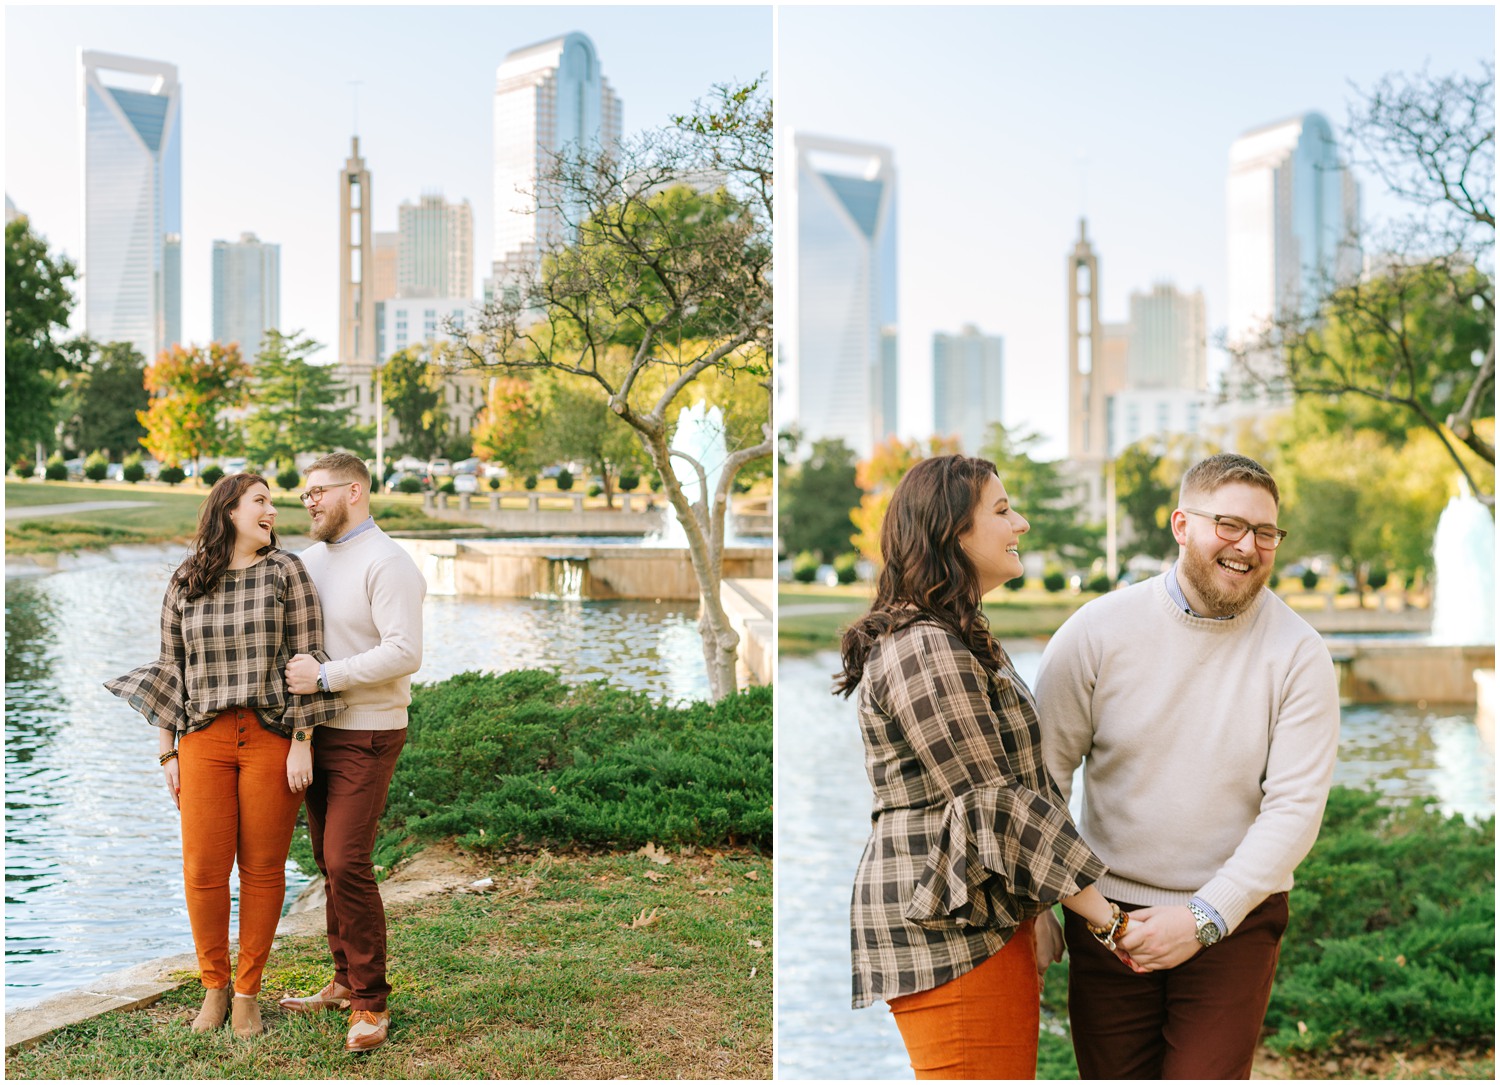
[494,470]
[439,468]
[465,484]
[235,465]
[467,467]
[396,479]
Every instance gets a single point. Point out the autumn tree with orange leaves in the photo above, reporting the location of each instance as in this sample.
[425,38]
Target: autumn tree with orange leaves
[192,388]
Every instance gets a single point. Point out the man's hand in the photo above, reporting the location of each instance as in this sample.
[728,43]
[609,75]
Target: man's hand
[302,674]
[1160,938]
[1049,941]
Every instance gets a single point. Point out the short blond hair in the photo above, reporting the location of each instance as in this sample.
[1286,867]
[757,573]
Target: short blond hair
[345,466]
[1206,476]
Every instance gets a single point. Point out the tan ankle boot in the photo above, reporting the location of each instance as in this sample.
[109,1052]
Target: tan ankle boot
[215,1006]
[246,1017]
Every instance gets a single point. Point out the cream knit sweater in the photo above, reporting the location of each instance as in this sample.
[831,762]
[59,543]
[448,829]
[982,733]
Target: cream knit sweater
[1208,746]
[372,593]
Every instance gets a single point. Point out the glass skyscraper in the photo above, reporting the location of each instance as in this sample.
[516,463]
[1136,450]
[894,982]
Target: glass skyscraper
[548,97]
[131,111]
[841,319]
[247,292]
[967,373]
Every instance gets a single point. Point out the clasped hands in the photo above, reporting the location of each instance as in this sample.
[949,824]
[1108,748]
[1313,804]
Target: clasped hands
[1155,939]
[302,674]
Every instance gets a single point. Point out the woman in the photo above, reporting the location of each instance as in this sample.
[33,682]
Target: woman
[235,747]
[971,842]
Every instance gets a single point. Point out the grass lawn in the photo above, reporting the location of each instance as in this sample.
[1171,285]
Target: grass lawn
[165,514]
[574,966]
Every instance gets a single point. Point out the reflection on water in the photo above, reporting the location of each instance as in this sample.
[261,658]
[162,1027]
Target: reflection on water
[93,877]
[823,820]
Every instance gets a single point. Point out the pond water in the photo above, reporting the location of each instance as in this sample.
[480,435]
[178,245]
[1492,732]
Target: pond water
[93,876]
[823,821]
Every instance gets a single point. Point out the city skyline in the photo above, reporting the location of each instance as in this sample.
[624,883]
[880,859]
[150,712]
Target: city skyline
[423,125]
[1011,124]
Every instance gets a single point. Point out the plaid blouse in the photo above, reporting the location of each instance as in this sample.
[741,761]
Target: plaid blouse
[230,649]
[970,835]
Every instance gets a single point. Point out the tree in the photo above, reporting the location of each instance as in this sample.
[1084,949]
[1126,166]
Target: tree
[877,477]
[507,430]
[296,404]
[577,424]
[816,498]
[665,251]
[37,304]
[411,390]
[194,386]
[1147,476]
[1416,332]
[106,394]
[1040,493]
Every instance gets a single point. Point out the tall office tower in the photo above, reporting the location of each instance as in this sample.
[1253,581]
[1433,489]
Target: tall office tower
[387,246]
[11,214]
[549,97]
[356,262]
[840,307]
[435,254]
[1293,224]
[967,370]
[247,292]
[1097,356]
[131,113]
[1168,339]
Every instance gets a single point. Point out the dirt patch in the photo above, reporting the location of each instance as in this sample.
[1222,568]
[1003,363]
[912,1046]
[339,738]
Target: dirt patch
[684,1039]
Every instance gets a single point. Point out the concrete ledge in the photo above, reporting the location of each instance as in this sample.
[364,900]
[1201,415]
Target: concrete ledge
[748,604]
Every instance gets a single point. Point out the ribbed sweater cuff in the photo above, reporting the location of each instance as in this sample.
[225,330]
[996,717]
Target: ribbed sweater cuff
[369,718]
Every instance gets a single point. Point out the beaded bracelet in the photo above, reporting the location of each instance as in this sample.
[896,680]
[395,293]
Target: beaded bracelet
[164,758]
[1106,936]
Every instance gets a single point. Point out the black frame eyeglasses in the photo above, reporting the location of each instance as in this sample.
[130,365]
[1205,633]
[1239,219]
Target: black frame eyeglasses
[315,493]
[1232,529]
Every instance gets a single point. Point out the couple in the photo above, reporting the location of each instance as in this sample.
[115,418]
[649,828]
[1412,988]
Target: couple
[281,676]
[1206,716]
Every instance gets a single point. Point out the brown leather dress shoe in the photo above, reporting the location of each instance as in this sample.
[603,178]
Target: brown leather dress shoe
[332,997]
[367,1030]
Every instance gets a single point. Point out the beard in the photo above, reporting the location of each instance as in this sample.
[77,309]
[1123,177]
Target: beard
[333,523]
[1201,571]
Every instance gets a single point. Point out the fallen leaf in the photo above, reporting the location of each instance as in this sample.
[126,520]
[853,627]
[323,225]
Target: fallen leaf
[755,943]
[645,919]
[1401,960]
[752,972]
[689,850]
[753,875]
[655,875]
[482,883]
[715,892]
[654,854]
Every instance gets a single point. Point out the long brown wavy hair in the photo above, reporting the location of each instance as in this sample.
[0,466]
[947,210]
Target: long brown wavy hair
[926,575]
[213,544]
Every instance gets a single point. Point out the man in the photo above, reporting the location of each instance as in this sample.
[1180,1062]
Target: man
[1206,716]
[372,593]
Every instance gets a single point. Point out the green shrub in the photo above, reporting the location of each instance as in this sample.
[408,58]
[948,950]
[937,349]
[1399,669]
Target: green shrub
[56,470]
[564,479]
[845,567]
[96,467]
[1378,577]
[1017,584]
[530,482]
[655,484]
[1054,579]
[595,489]
[495,483]
[1099,583]
[23,467]
[409,485]
[289,479]
[447,487]
[1274,581]
[211,474]
[522,758]
[629,479]
[1310,580]
[172,474]
[805,567]
[131,469]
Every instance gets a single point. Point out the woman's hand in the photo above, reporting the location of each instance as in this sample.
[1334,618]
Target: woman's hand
[172,772]
[1049,941]
[299,766]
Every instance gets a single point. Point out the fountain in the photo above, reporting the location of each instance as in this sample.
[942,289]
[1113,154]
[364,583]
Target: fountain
[1463,554]
[699,434]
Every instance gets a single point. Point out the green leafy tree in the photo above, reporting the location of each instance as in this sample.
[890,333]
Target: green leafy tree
[1039,491]
[660,275]
[815,498]
[877,478]
[411,388]
[576,424]
[1147,476]
[37,304]
[295,404]
[105,397]
[507,430]
[194,389]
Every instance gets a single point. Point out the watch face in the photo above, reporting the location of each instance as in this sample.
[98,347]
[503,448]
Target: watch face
[1208,933]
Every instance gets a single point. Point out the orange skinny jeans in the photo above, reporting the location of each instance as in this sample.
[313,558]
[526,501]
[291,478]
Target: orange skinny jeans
[235,805]
[981,1025]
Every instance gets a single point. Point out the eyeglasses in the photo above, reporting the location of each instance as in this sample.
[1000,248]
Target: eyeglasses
[1232,529]
[315,493]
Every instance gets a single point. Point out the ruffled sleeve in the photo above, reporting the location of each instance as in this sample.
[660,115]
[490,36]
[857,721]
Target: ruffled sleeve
[157,690]
[302,633]
[1006,847]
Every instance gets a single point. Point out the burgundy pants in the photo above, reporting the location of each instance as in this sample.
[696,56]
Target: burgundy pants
[351,772]
[1201,1019]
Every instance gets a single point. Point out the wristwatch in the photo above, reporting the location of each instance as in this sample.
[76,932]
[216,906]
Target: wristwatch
[322,682]
[1208,930]
[301,735]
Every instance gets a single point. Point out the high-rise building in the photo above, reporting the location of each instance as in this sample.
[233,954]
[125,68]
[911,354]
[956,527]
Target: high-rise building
[1293,216]
[131,113]
[11,214]
[356,262]
[967,370]
[247,292]
[549,97]
[1168,339]
[387,246]
[435,250]
[840,308]
[1097,357]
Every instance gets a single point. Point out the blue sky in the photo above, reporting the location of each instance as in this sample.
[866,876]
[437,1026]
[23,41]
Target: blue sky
[1009,123]
[268,110]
